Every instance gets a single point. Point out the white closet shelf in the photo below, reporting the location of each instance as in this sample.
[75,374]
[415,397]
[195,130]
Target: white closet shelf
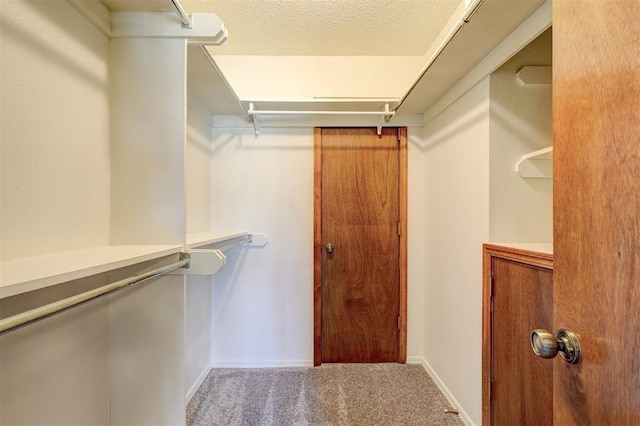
[33,273]
[537,164]
[199,239]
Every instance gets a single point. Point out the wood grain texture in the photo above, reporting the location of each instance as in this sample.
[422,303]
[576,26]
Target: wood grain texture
[360,216]
[522,301]
[317,242]
[596,129]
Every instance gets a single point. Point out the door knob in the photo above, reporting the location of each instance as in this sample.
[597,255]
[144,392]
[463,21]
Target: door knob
[330,248]
[545,345]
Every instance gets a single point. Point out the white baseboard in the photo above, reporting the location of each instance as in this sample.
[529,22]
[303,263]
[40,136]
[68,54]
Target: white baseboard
[197,384]
[447,394]
[261,363]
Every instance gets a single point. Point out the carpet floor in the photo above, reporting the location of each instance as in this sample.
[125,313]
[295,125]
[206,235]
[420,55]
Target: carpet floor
[329,395]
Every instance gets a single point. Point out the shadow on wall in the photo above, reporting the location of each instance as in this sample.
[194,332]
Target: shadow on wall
[196,138]
[227,281]
[461,124]
[518,125]
[245,139]
[33,40]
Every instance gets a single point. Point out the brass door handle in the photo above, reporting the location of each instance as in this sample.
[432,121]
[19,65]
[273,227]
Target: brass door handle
[545,345]
[330,248]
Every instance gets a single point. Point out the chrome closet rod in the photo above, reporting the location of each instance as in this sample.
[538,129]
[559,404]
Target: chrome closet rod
[313,112]
[31,316]
[186,20]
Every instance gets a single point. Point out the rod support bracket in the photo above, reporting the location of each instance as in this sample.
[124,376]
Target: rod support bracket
[185,256]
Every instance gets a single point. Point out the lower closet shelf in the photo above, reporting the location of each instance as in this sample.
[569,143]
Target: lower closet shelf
[33,273]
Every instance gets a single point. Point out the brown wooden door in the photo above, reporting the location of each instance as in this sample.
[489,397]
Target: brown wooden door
[596,103]
[517,296]
[359,215]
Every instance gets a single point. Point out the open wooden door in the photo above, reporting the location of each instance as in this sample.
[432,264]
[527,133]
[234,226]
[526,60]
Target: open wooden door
[596,120]
[360,245]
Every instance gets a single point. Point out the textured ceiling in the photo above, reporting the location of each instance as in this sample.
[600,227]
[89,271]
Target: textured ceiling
[318,27]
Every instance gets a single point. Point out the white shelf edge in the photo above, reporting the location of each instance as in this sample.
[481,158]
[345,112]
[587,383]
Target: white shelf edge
[199,239]
[34,273]
[537,164]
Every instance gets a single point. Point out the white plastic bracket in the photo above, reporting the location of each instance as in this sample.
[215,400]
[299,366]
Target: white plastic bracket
[254,119]
[536,165]
[534,76]
[207,28]
[203,262]
[384,118]
[258,240]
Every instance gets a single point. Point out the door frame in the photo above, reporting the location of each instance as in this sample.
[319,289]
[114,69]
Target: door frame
[317,245]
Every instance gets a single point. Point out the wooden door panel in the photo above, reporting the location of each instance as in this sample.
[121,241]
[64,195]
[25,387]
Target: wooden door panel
[596,115]
[517,298]
[522,301]
[360,215]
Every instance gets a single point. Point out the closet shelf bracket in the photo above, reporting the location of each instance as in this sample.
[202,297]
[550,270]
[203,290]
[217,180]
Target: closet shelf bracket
[537,165]
[254,120]
[206,28]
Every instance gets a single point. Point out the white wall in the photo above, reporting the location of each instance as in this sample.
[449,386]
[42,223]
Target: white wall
[198,172]
[55,195]
[521,210]
[54,163]
[148,130]
[56,371]
[198,289]
[92,128]
[263,298]
[456,221]
[416,245]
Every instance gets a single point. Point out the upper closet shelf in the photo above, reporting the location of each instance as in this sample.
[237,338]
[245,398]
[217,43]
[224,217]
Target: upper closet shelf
[537,165]
[199,239]
[33,273]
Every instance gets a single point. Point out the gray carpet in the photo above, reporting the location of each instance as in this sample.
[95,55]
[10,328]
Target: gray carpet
[332,394]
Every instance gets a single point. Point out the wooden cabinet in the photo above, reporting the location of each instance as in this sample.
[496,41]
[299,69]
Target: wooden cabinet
[517,298]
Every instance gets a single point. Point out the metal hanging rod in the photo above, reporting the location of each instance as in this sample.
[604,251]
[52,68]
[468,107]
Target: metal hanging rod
[31,316]
[386,114]
[186,19]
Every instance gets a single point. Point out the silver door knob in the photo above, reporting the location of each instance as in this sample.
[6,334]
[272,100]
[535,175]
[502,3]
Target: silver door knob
[330,248]
[546,345]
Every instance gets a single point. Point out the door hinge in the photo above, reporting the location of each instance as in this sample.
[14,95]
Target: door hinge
[399,228]
[491,382]
[398,322]
[491,277]
[398,134]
